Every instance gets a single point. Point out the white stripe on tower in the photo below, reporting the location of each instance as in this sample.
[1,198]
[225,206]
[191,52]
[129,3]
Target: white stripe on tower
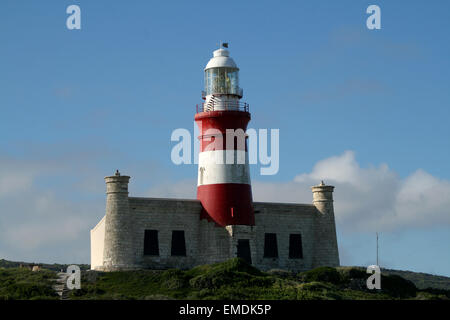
[223,166]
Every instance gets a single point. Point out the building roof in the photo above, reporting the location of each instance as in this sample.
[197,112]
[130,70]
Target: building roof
[221,59]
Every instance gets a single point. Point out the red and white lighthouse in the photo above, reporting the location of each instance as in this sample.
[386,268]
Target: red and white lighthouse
[224,187]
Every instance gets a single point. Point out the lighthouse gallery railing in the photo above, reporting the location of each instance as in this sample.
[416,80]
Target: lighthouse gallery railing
[223,106]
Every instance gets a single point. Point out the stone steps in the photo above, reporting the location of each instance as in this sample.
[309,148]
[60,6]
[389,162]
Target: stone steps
[61,286]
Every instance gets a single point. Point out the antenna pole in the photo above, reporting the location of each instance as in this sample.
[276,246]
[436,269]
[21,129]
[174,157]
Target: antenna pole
[377,250]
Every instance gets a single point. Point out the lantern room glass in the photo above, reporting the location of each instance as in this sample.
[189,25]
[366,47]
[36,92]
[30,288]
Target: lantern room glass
[222,81]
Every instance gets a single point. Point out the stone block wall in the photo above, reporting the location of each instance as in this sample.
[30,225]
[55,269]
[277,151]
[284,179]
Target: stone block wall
[206,242]
[284,219]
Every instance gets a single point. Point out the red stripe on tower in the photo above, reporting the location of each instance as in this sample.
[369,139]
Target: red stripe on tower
[223,186]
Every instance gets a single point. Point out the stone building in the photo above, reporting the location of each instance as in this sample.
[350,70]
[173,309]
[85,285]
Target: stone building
[224,222]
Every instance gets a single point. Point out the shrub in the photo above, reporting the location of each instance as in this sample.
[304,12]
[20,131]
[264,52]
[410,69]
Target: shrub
[174,279]
[234,272]
[348,273]
[157,297]
[18,284]
[438,292]
[397,286]
[285,274]
[211,280]
[315,286]
[321,274]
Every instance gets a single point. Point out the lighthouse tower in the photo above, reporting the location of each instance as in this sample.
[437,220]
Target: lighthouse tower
[223,186]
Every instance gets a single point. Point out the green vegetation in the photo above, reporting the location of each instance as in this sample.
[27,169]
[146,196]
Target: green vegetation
[322,274]
[23,284]
[422,280]
[235,279]
[54,267]
[231,280]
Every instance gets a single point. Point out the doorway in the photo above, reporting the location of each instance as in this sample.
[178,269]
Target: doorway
[243,250]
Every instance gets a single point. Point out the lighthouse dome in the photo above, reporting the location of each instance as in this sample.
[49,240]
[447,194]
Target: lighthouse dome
[221,59]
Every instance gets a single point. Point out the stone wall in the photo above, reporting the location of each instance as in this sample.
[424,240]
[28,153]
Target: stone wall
[208,243]
[97,244]
[165,215]
[284,219]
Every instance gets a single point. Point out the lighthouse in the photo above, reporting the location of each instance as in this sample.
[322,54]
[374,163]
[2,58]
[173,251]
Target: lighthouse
[223,222]
[223,186]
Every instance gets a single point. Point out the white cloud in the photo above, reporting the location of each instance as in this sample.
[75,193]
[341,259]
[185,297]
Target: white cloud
[369,199]
[35,219]
[43,210]
[34,234]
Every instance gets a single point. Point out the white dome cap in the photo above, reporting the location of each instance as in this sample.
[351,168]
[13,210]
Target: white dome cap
[222,59]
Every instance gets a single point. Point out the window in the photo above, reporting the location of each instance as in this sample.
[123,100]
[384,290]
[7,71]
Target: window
[222,80]
[270,245]
[295,246]
[178,243]
[151,247]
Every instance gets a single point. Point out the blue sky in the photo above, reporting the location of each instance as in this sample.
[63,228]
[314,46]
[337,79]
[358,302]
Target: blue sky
[370,104]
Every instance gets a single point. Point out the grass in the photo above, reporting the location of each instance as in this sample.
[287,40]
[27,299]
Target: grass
[236,280]
[23,284]
[230,280]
